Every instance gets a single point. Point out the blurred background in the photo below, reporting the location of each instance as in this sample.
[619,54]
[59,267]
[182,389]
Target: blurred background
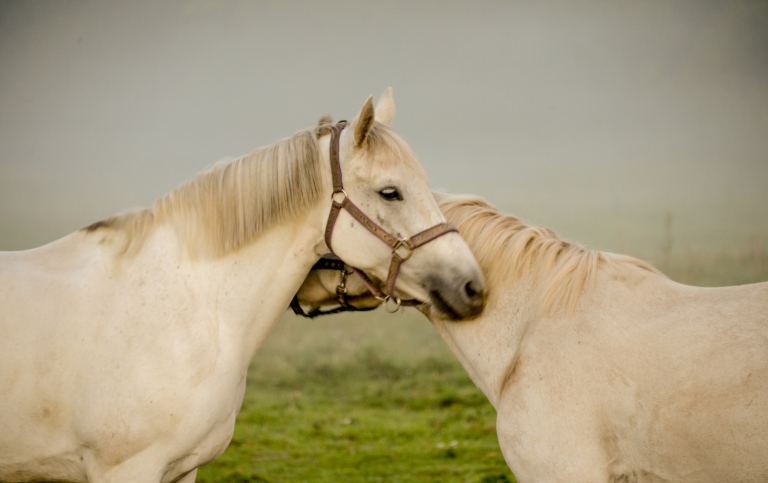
[639,127]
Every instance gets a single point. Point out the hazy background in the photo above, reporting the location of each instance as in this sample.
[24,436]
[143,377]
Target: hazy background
[597,119]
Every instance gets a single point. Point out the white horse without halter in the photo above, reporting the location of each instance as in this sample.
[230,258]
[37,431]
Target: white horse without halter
[600,368]
[124,346]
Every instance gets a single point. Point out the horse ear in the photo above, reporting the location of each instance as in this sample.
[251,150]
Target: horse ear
[363,121]
[385,108]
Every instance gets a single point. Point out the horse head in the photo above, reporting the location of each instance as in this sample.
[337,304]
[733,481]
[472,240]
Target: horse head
[385,221]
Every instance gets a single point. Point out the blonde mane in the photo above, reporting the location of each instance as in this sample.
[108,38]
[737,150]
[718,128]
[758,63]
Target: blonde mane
[232,203]
[506,248]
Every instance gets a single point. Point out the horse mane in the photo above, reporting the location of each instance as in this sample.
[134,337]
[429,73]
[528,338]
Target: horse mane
[232,203]
[506,248]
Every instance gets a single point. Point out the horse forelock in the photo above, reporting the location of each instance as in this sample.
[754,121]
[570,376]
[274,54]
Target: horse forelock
[508,249]
[234,202]
[387,150]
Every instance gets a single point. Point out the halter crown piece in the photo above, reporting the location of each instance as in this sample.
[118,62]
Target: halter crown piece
[402,249]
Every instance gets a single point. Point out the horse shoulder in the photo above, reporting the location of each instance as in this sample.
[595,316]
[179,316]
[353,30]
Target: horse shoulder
[547,425]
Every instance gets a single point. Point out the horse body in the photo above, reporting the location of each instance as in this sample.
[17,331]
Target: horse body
[600,368]
[656,383]
[125,345]
[157,353]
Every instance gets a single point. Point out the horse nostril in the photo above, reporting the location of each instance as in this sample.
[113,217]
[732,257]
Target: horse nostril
[471,289]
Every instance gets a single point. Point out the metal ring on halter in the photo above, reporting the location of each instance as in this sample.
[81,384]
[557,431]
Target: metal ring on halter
[396,300]
[341,190]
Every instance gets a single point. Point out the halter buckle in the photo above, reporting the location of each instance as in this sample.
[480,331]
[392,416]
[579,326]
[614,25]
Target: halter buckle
[341,289]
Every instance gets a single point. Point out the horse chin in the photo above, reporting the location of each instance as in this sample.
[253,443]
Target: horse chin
[442,307]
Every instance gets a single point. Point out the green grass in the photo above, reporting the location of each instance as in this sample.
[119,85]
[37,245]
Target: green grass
[377,397]
[360,398]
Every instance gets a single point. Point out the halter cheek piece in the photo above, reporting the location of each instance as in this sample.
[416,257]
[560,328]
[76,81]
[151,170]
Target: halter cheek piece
[401,249]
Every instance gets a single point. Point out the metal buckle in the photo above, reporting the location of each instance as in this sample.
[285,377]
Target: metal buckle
[388,304]
[341,289]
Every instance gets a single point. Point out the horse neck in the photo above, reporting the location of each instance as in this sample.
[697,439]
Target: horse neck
[488,345]
[251,287]
[513,321]
[254,286]
[239,297]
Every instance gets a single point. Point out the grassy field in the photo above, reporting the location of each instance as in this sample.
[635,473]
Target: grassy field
[373,397]
[379,398]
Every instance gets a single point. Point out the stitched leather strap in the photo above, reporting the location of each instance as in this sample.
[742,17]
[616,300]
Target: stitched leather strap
[401,249]
[338,184]
[430,234]
[335,155]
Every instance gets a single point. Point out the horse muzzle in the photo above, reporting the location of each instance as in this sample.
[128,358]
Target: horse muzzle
[456,298]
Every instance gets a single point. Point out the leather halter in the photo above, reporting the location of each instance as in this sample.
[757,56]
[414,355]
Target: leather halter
[331,262]
[402,249]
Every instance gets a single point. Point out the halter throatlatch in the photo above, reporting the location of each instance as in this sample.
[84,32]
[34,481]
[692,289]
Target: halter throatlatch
[401,249]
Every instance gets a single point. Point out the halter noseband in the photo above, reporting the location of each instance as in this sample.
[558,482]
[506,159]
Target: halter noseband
[402,249]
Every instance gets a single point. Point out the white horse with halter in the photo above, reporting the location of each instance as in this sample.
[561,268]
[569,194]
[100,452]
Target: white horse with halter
[124,346]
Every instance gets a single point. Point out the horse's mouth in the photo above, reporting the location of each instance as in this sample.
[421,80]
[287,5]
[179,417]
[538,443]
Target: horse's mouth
[443,306]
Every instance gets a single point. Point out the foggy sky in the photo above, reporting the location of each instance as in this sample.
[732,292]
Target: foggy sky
[594,118]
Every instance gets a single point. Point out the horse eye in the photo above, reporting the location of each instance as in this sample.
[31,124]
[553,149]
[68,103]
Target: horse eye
[391,194]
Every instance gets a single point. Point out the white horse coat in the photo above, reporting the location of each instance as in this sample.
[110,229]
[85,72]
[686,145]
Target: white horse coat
[603,370]
[124,346]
